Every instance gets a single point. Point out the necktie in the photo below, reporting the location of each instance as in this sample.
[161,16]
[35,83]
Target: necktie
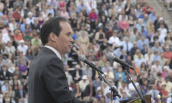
[127,46]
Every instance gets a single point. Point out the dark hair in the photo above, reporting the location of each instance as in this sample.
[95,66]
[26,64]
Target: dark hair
[51,25]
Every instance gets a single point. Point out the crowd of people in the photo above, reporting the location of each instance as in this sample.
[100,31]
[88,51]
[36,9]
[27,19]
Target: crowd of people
[131,29]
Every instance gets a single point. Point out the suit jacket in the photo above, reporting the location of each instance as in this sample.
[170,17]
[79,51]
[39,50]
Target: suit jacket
[19,95]
[47,80]
[5,77]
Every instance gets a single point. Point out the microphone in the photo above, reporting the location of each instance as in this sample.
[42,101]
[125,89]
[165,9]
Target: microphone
[76,46]
[83,58]
[111,56]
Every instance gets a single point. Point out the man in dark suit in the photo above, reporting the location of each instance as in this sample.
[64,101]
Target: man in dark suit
[47,79]
[20,94]
[4,73]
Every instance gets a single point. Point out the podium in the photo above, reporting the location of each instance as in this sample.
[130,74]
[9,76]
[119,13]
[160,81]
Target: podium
[138,100]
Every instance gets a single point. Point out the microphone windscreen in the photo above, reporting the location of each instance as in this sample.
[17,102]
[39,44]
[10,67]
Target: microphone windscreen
[110,56]
[81,58]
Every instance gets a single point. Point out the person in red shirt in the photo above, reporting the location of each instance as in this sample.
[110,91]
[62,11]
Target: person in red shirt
[147,9]
[167,54]
[18,36]
[16,15]
[93,17]
[164,93]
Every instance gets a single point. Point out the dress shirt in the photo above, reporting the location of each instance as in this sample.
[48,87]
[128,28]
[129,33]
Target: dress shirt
[54,50]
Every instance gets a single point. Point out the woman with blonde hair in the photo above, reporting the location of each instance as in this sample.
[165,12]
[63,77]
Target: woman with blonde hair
[151,28]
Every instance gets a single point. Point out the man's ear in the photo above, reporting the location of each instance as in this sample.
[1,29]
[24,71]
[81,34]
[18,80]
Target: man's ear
[52,37]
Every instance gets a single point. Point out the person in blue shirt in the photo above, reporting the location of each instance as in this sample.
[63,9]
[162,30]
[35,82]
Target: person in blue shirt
[153,16]
[144,32]
[141,42]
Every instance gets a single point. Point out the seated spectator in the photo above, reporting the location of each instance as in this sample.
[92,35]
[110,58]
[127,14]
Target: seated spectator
[131,87]
[64,13]
[109,74]
[124,25]
[35,25]
[167,54]
[83,41]
[143,41]
[22,47]
[36,42]
[90,92]
[77,91]
[4,73]
[7,98]
[100,35]
[20,94]
[18,36]
[83,83]
[5,87]
[87,71]
[61,5]
[121,73]
[114,39]
[168,84]
[22,67]
[24,58]
[30,18]
[93,17]
[77,73]
[154,93]
[97,82]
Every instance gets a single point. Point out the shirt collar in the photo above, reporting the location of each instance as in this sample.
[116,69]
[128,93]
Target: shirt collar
[54,50]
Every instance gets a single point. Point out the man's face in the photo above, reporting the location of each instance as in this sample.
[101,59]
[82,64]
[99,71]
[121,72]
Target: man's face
[64,40]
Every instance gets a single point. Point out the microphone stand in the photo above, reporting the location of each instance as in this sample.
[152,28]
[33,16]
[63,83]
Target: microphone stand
[114,92]
[141,97]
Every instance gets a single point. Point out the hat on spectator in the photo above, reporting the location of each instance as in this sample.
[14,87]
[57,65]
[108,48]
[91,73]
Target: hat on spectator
[161,18]
[84,77]
[30,13]
[21,41]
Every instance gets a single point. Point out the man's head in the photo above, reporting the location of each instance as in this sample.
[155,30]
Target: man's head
[57,33]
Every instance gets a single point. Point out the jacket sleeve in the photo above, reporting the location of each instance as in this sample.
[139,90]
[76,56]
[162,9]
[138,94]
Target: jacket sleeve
[56,82]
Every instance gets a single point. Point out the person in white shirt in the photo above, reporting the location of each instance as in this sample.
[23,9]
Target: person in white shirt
[84,82]
[131,87]
[30,18]
[163,33]
[114,40]
[22,47]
